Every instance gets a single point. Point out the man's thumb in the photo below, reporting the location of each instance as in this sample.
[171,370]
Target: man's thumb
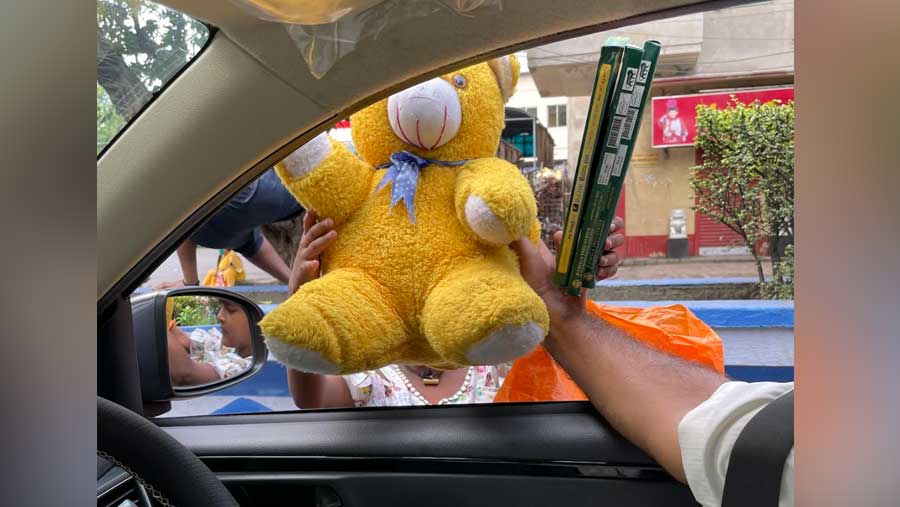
[519,245]
[557,239]
[529,257]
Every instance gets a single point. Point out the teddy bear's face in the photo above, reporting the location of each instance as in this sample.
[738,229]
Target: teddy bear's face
[457,116]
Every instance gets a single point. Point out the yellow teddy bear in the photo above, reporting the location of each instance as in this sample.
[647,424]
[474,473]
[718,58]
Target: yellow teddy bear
[421,272]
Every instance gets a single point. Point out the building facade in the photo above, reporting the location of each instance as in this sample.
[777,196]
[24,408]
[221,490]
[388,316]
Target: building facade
[550,111]
[740,50]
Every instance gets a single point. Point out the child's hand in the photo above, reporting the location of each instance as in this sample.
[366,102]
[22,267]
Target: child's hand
[317,236]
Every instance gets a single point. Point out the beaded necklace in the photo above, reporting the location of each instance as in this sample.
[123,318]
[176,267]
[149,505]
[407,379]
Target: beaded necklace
[445,401]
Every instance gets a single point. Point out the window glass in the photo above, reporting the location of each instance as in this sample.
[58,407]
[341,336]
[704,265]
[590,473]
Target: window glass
[141,45]
[677,248]
[556,115]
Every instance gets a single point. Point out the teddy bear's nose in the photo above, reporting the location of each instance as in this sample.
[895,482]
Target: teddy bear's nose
[426,116]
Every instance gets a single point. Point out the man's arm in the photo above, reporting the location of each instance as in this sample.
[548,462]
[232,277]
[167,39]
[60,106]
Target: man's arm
[312,390]
[187,257]
[643,393]
[267,259]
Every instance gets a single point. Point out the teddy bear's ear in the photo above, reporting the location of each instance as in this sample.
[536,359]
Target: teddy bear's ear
[506,70]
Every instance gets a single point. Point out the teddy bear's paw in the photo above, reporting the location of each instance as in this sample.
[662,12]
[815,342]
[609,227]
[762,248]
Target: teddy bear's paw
[309,156]
[505,344]
[484,223]
[300,358]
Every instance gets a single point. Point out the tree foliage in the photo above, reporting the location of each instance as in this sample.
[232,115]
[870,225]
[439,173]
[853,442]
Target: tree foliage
[109,121]
[746,179]
[140,46]
[196,310]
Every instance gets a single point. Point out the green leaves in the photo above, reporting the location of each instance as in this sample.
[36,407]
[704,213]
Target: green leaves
[195,310]
[746,178]
[782,284]
[108,120]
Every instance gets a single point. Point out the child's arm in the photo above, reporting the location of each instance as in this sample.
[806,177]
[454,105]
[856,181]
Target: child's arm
[311,390]
[495,202]
[325,176]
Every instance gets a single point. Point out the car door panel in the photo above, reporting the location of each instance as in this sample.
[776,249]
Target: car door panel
[439,490]
[522,454]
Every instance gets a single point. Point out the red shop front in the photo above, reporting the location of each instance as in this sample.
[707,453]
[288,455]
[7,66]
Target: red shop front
[674,127]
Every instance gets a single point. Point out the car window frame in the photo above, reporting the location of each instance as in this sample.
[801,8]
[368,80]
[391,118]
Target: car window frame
[212,30]
[251,175]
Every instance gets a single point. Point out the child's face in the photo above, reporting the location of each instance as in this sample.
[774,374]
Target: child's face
[235,327]
[673,113]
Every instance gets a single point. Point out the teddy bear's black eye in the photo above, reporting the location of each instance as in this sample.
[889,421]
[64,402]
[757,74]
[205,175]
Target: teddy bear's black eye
[459,81]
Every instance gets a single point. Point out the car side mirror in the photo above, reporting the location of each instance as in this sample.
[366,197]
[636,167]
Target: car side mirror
[193,341]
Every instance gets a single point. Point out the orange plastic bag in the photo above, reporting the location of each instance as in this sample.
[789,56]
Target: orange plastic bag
[673,329]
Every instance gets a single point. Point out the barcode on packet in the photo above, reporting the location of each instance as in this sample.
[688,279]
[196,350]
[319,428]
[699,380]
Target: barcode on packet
[615,132]
[628,126]
[625,100]
[637,96]
[606,168]
[620,160]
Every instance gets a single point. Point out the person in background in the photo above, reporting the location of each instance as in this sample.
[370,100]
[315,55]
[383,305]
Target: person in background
[397,385]
[674,128]
[212,358]
[238,226]
[235,328]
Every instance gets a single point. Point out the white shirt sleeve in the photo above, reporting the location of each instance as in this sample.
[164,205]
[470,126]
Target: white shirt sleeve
[707,434]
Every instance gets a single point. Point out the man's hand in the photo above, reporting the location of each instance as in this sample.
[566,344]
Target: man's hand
[317,236]
[610,260]
[538,264]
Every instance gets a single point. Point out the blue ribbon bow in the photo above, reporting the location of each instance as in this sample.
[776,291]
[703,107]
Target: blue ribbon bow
[403,171]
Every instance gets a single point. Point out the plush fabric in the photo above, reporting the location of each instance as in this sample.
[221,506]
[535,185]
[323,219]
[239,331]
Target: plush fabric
[444,291]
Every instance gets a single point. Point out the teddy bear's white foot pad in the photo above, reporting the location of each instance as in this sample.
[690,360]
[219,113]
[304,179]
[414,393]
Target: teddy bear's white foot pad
[309,156]
[300,358]
[484,223]
[505,344]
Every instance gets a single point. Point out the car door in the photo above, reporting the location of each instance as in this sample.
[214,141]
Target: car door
[509,454]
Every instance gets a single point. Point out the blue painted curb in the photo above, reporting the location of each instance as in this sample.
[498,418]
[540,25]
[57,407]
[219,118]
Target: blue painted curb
[270,381]
[242,406]
[652,282]
[240,289]
[760,373]
[732,313]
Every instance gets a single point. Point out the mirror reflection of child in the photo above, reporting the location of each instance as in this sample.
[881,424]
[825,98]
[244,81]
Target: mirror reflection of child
[674,129]
[235,328]
[205,356]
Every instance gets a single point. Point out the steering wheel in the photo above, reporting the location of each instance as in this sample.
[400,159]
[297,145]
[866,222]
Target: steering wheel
[169,472]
